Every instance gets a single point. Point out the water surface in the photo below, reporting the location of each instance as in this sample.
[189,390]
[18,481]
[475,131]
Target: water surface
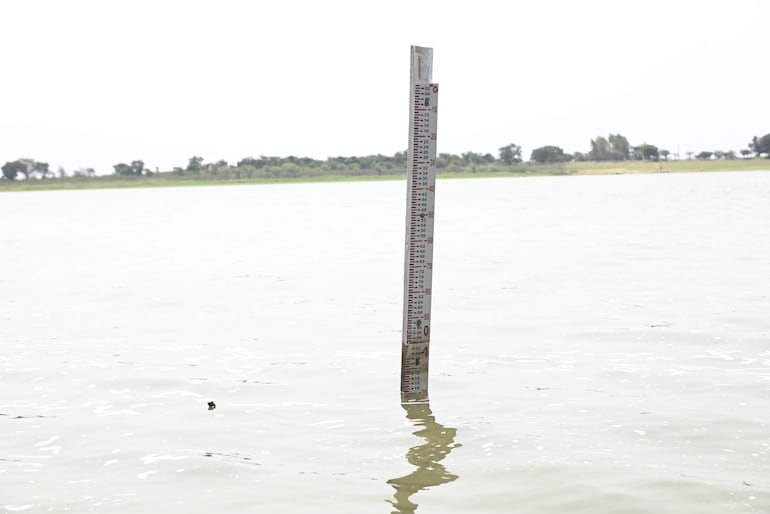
[599,345]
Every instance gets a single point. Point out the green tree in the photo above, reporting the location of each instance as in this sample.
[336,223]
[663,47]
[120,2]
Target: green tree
[600,150]
[761,145]
[399,158]
[123,169]
[705,155]
[619,147]
[473,158]
[510,154]
[85,172]
[448,160]
[26,167]
[249,161]
[612,148]
[665,154]
[12,169]
[646,152]
[41,169]
[137,167]
[549,154]
[754,146]
[195,165]
[291,170]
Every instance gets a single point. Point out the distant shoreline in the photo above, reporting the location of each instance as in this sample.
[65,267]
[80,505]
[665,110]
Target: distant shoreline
[169,179]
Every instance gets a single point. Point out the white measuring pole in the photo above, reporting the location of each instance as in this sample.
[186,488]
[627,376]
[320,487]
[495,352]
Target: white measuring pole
[420,200]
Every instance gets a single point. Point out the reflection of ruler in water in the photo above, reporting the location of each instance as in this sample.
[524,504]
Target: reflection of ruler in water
[420,199]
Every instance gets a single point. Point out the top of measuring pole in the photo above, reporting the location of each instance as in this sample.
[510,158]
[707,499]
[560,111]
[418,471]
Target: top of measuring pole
[422,65]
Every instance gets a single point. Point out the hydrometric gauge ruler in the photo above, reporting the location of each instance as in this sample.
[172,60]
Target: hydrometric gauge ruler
[420,200]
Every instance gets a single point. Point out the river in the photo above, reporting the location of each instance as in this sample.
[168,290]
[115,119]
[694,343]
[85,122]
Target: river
[600,344]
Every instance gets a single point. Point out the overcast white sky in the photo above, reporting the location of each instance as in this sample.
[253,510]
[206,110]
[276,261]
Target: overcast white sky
[94,83]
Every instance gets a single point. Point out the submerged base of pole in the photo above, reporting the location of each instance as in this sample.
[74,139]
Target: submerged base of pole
[414,372]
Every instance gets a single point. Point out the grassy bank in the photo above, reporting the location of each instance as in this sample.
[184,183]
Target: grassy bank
[493,170]
[618,168]
[170,180]
[604,168]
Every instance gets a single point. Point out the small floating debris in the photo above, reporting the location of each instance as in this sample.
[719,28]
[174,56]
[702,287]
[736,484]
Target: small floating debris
[212,405]
[233,457]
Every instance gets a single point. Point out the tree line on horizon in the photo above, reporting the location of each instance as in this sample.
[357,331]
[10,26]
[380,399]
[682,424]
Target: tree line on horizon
[615,147]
